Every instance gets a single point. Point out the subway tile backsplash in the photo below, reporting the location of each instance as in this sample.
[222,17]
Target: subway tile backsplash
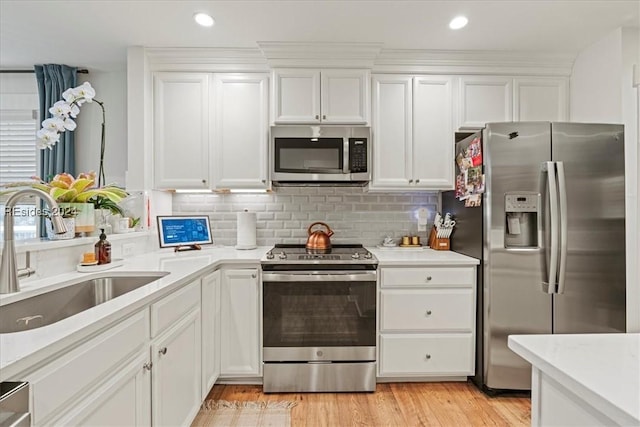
[283,216]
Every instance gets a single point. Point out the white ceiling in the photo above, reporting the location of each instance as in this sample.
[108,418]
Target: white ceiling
[95,34]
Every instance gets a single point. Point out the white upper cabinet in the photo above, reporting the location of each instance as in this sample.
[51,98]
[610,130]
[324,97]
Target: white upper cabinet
[413,130]
[485,99]
[331,96]
[540,99]
[433,142]
[240,131]
[392,131]
[181,130]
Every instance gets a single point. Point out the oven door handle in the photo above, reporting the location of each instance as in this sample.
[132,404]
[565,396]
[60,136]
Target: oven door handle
[319,276]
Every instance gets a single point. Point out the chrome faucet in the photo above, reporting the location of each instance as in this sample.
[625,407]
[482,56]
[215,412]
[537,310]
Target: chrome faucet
[9,272]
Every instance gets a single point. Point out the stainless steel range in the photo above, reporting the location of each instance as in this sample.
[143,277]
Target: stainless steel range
[319,319]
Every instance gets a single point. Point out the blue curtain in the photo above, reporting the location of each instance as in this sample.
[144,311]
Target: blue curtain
[53,79]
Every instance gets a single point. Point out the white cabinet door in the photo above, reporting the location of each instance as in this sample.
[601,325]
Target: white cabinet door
[485,99]
[181,130]
[176,389]
[210,312]
[541,99]
[433,133]
[296,96]
[123,401]
[345,96]
[240,130]
[392,132]
[240,325]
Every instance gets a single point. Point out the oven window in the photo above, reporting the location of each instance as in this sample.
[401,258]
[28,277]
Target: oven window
[303,155]
[307,314]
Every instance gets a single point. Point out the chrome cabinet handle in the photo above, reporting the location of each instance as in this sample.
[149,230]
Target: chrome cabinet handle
[428,312]
[163,350]
[147,366]
[427,356]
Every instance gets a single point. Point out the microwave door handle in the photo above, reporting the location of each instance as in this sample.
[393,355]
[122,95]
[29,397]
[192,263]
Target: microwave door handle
[345,156]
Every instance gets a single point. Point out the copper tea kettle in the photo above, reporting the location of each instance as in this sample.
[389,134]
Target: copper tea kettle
[319,240]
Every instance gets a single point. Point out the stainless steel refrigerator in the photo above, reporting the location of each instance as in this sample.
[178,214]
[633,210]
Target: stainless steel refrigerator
[550,234]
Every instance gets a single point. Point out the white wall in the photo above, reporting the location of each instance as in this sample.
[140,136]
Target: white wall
[602,91]
[111,88]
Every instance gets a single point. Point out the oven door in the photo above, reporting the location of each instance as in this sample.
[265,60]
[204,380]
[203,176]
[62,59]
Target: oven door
[319,315]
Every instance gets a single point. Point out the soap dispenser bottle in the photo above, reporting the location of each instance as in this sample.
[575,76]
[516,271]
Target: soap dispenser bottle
[103,249]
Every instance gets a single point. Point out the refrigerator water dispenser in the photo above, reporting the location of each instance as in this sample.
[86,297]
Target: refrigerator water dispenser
[521,220]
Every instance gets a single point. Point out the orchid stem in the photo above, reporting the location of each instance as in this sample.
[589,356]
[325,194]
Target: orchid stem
[101,176]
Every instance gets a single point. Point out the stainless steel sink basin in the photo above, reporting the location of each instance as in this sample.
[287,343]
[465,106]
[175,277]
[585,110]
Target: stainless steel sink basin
[53,306]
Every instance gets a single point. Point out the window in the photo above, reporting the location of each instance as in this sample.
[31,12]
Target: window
[18,157]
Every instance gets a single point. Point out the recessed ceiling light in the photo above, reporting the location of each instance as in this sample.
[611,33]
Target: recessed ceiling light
[458,22]
[203,19]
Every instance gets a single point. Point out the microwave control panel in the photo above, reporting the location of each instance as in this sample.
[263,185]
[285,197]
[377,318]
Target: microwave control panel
[358,155]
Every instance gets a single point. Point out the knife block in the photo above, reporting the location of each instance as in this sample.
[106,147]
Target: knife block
[438,243]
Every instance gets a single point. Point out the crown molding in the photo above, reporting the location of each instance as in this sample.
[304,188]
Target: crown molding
[320,54]
[206,59]
[474,62]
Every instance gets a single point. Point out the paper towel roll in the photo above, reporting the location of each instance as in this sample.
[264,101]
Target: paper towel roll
[246,230]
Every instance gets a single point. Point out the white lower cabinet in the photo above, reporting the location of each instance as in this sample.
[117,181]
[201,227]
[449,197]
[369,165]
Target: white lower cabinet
[240,323]
[210,312]
[427,322]
[144,370]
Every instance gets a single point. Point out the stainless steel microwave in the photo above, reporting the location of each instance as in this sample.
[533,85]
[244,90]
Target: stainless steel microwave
[321,159]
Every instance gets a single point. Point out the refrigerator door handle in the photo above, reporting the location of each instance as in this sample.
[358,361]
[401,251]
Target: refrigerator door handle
[549,286]
[562,190]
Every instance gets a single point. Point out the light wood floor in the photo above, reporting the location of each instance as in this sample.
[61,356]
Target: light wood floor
[394,404]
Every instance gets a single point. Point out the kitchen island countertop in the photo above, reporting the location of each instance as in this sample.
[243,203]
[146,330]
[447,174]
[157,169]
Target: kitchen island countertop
[602,371]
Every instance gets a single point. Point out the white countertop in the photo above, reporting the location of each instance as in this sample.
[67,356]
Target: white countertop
[414,257]
[23,350]
[603,369]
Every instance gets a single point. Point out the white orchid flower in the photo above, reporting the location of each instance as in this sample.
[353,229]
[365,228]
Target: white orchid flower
[46,138]
[69,95]
[69,124]
[75,110]
[54,124]
[86,91]
[60,109]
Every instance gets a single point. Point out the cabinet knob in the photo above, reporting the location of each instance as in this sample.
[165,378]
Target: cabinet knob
[163,350]
[410,181]
[428,278]
[264,181]
[317,117]
[427,356]
[147,366]
[428,312]
[324,117]
[204,181]
[253,276]
[417,181]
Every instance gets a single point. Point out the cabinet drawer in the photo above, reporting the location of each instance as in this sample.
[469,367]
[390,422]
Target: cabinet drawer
[168,310]
[433,354]
[432,276]
[69,378]
[428,309]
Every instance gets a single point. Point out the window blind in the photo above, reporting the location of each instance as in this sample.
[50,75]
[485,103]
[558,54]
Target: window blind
[17,145]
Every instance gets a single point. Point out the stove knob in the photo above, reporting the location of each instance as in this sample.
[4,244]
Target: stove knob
[282,255]
[368,255]
[355,256]
[269,255]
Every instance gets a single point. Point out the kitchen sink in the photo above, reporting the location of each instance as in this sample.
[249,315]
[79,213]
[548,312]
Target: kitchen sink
[53,306]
